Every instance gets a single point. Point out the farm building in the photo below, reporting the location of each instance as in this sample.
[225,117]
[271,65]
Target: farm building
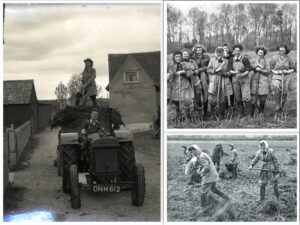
[21,104]
[134,86]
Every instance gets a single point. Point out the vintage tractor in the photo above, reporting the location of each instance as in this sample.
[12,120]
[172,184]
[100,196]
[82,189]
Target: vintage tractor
[108,161]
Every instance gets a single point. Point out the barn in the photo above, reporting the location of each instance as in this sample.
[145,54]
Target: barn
[134,86]
[21,104]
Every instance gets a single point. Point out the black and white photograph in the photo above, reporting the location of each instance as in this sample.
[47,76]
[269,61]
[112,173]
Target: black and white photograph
[81,112]
[232,178]
[231,65]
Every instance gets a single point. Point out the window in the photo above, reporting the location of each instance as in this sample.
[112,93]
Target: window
[131,77]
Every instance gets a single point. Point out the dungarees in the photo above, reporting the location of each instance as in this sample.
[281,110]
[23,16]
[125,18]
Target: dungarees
[241,88]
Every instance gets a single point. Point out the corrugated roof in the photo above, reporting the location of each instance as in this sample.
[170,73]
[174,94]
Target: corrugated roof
[17,91]
[150,61]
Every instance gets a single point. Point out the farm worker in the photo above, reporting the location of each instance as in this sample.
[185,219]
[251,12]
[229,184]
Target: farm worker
[217,155]
[88,82]
[281,66]
[90,126]
[260,80]
[269,162]
[234,160]
[179,73]
[201,78]
[202,163]
[228,55]
[239,67]
[191,66]
[194,176]
[219,83]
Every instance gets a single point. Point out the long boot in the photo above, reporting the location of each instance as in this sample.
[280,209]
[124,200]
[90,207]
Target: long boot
[276,190]
[262,192]
[215,190]
[252,109]
[203,201]
[235,171]
[240,109]
[205,106]
[247,108]
[262,105]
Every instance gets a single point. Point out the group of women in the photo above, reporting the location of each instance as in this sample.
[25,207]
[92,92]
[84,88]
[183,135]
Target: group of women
[229,80]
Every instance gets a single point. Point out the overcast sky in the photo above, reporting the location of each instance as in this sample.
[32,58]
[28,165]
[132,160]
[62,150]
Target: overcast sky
[209,7]
[48,43]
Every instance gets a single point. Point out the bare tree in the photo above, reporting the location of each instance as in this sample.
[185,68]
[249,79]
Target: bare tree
[248,23]
[61,92]
[198,19]
[174,21]
[74,85]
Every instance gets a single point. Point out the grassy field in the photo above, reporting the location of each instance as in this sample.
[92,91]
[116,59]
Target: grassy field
[267,122]
[183,204]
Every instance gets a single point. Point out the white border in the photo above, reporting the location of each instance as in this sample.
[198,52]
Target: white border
[217,130]
[136,2]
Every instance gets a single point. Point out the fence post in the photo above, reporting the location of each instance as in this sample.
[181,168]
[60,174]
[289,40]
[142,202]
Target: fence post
[12,146]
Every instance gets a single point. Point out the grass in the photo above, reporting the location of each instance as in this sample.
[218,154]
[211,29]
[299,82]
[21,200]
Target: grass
[267,122]
[184,204]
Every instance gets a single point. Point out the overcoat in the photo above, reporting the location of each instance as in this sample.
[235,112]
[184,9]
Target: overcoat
[88,79]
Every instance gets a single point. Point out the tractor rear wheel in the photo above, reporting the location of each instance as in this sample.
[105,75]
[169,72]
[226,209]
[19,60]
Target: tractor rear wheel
[69,157]
[58,160]
[75,192]
[139,186]
[126,157]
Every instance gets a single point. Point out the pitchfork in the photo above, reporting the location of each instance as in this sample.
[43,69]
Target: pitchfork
[282,113]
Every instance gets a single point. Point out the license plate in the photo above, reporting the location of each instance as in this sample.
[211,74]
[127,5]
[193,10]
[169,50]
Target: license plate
[106,188]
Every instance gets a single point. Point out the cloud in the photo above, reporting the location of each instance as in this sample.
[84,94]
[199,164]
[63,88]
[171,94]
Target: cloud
[50,41]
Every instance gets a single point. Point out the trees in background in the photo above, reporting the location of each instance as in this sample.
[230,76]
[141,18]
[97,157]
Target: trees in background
[248,23]
[61,92]
[66,94]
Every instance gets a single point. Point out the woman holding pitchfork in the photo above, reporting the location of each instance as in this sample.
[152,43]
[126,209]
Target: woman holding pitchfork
[220,87]
[281,67]
[259,81]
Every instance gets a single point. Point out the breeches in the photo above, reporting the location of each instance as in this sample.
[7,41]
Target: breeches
[261,98]
[241,89]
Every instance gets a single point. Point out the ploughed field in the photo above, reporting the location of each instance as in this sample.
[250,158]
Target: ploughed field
[183,201]
[247,122]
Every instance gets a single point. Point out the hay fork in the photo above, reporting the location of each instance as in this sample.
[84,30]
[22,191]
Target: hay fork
[281,115]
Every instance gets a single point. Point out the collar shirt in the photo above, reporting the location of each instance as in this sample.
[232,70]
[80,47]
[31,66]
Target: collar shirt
[238,58]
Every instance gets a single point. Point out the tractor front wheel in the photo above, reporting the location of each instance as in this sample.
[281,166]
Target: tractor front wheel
[75,192]
[138,189]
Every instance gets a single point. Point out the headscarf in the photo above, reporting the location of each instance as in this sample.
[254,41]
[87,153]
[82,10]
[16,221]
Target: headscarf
[219,49]
[197,149]
[266,144]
